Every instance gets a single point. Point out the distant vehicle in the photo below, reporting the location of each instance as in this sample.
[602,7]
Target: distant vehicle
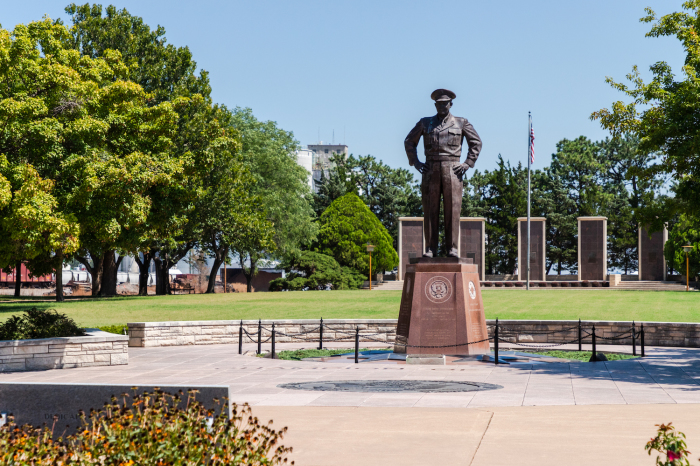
[8,279]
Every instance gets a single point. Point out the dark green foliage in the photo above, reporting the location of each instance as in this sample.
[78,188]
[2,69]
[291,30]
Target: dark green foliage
[585,178]
[39,323]
[662,113]
[346,228]
[280,183]
[501,197]
[683,232]
[116,329]
[307,269]
[551,200]
[160,68]
[389,193]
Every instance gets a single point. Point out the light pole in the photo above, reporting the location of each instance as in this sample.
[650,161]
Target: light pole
[687,250]
[370,248]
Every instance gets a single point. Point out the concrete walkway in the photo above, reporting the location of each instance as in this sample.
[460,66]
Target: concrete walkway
[524,436]
[547,414]
[666,375]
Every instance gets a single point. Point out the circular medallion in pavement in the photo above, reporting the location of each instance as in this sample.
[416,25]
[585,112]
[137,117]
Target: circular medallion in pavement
[422,386]
[472,289]
[438,289]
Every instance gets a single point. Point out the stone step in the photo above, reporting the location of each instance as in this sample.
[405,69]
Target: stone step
[389,286]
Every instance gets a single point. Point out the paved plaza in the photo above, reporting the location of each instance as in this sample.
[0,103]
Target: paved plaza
[666,375]
[559,413]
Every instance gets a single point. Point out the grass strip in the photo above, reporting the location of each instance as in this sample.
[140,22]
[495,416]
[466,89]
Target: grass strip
[602,304]
[581,355]
[298,355]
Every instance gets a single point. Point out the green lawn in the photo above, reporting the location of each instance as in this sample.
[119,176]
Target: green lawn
[504,304]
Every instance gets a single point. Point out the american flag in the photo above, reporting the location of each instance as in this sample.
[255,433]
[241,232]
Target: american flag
[532,144]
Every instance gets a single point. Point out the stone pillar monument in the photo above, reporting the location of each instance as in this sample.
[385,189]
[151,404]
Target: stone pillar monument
[592,248]
[411,242]
[538,242]
[441,309]
[472,235]
[652,263]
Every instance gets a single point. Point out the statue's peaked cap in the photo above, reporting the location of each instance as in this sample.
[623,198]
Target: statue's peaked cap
[442,94]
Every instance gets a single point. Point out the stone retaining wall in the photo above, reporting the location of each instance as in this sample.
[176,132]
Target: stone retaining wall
[655,333]
[98,348]
[149,334]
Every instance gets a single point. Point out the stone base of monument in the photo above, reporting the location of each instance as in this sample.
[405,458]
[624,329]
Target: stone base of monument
[441,309]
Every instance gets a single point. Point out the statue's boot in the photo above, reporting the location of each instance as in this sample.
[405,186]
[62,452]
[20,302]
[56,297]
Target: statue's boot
[428,253]
[453,253]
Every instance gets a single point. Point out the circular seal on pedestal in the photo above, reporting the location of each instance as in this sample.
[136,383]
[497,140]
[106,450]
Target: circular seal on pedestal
[472,289]
[438,289]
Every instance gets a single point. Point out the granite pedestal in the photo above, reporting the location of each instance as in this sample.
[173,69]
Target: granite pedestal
[441,308]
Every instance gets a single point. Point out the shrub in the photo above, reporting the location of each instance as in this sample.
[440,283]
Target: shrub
[119,329]
[307,269]
[347,225]
[670,444]
[154,430]
[39,323]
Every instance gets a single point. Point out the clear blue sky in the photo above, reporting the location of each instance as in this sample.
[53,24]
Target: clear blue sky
[366,68]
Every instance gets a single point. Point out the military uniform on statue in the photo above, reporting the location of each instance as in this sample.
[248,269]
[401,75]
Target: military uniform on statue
[441,308]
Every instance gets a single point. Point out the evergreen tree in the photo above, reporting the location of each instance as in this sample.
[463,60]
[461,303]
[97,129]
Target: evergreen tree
[389,193]
[551,200]
[501,197]
[345,229]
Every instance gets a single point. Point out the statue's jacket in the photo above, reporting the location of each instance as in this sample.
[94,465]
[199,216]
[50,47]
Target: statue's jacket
[442,140]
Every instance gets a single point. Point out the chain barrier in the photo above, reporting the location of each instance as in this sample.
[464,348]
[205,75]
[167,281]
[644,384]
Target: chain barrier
[505,332]
[537,332]
[446,346]
[527,345]
[621,336]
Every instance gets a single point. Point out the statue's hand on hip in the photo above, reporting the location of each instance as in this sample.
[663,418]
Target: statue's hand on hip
[460,169]
[421,167]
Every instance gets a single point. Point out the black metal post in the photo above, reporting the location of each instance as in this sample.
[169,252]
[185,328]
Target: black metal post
[579,335]
[259,336]
[495,343]
[594,358]
[357,345]
[273,341]
[641,336]
[634,340]
[320,338]
[240,338]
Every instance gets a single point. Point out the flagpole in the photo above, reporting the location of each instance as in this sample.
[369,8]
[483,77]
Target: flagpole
[529,158]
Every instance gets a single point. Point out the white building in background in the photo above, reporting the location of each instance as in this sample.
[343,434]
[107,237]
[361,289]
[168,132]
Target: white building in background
[305,158]
[320,162]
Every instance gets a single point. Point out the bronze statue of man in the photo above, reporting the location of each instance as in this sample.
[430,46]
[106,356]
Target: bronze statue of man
[442,171]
